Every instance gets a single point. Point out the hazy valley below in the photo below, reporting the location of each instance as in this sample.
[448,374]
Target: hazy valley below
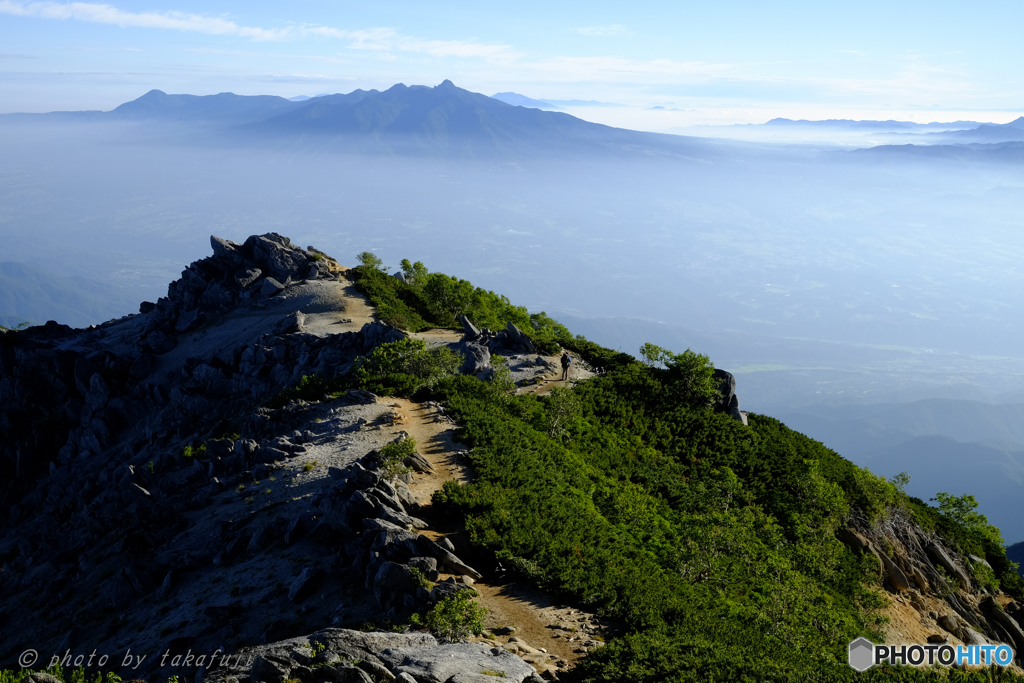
[825,280]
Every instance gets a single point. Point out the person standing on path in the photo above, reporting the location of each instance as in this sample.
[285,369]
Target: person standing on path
[566,362]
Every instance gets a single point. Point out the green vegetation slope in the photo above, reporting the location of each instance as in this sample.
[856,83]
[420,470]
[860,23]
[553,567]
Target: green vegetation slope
[713,542]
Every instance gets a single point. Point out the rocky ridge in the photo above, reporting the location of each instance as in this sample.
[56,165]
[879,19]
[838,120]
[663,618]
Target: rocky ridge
[152,501]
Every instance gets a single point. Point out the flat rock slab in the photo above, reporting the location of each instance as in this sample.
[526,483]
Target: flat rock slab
[441,663]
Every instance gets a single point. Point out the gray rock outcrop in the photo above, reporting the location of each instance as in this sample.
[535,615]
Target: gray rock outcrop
[346,655]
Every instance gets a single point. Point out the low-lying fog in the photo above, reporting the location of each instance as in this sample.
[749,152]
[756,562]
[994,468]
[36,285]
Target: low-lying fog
[818,277]
[917,264]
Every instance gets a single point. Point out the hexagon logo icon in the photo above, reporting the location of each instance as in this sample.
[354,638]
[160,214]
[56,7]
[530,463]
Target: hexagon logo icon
[862,653]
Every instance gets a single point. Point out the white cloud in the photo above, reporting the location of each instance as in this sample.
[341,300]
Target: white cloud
[84,11]
[105,14]
[382,39]
[609,30]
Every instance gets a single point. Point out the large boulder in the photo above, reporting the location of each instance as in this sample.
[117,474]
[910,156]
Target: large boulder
[227,252]
[726,389]
[477,357]
[270,287]
[276,255]
[470,330]
[291,323]
[513,340]
[391,581]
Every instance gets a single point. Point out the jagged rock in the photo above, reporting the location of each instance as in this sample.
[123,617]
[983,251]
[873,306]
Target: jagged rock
[734,410]
[247,276]
[940,557]
[948,622]
[361,396]
[477,357]
[470,330]
[291,323]
[513,340]
[426,565]
[896,576]
[147,307]
[276,255]
[972,637]
[262,538]
[853,539]
[189,320]
[446,589]
[401,519]
[995,612]
[228,252]
[979,560]
[726,389]
[270,670]
[160,342]
[270,287]
[305,584]
[391,579]
[445,558]
[418,463]
[270,454]
[40,677]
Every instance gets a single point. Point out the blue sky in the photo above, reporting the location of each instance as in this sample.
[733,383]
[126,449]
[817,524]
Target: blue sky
[703,62]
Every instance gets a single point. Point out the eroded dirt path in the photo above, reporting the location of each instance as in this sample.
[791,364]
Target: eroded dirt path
[520,617]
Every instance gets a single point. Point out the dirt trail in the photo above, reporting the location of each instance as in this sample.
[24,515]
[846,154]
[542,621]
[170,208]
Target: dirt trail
[355,307]
[559,633]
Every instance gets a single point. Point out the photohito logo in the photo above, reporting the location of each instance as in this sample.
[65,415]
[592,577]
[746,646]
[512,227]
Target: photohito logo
[864,654]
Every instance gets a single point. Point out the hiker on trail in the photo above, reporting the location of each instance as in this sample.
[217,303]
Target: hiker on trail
[566,362]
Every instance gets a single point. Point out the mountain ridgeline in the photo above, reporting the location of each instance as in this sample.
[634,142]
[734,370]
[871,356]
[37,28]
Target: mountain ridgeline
[221,470]
[444,121]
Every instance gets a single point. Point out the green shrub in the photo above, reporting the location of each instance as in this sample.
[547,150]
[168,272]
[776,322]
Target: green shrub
[453,618]
[390,458]
[370,260]
[402,367]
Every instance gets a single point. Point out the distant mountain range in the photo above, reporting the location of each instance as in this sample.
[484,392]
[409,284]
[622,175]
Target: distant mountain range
[444,120]
[25,290]
[1000,152]
[869,125]
[517,100]
[524,101]
[449,121]
[988,133]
